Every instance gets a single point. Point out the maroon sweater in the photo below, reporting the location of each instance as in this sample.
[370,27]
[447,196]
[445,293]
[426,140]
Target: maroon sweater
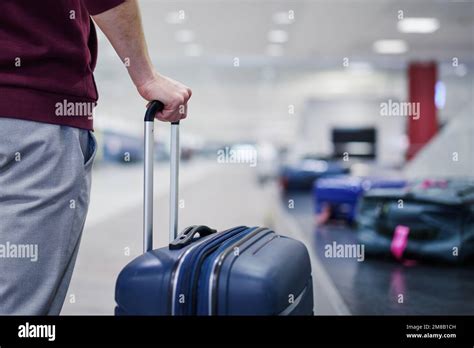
[48,51]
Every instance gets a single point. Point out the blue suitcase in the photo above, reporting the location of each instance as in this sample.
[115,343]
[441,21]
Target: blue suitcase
[337,197]
[240,271]
[302,175]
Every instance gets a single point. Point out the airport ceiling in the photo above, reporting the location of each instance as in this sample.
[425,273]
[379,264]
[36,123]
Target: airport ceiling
[282,64]
[318,32]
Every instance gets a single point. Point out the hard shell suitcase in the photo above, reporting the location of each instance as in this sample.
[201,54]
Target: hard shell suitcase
[429,220]
[302,175]
[337,197]
[240,271]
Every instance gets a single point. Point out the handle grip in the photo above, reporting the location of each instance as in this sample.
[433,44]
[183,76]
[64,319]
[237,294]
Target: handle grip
[153,108]
[188,236]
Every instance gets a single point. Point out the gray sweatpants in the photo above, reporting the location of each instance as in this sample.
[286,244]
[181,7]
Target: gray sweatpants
[45,178]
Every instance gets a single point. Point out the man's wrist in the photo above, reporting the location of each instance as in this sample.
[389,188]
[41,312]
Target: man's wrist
[141,72]
[143,82]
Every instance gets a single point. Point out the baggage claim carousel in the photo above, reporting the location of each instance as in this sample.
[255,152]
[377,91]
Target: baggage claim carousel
[383,286]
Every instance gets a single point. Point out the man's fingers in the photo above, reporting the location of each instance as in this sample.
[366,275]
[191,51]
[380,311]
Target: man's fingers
[176,107]
[164,115]
[186,94]
[177,115]
[172,115]
[173,94]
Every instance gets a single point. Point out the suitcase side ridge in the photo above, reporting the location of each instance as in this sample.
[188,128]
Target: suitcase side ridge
[266,277]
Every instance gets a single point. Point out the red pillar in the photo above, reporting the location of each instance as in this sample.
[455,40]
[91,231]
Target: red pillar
[422,81]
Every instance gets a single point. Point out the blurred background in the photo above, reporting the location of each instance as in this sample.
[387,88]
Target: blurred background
[284,93]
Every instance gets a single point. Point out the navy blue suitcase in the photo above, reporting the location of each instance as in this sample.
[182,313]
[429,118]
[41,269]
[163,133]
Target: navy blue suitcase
[240,271]
[302,175]
[341,194]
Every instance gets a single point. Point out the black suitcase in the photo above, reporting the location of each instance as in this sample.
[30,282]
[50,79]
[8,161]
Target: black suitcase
[240,271]
[430,220]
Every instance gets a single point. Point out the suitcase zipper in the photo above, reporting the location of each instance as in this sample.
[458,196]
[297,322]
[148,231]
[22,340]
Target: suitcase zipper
[177,270]
[175,275]
[193,288]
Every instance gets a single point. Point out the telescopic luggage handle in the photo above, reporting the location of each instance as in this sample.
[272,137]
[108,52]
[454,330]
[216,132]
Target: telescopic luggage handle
[154,107]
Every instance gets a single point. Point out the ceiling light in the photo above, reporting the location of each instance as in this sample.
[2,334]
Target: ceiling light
[390,46]
[440,95]
[176,17]
[193,50]
[284,17]
[184,36]
[274,50]
[418,25]
[277,36]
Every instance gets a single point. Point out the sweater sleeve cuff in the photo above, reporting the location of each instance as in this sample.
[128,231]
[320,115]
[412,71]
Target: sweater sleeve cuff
[96,7]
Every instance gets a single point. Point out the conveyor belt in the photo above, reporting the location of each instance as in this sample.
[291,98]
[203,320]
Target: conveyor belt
[374,286]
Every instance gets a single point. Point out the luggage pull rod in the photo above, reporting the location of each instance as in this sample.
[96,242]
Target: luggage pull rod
[149,143]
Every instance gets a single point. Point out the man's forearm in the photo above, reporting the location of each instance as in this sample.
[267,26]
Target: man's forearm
[123,27]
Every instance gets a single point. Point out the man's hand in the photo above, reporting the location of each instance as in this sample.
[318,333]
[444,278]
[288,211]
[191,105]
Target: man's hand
[173,94]
[123,27]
